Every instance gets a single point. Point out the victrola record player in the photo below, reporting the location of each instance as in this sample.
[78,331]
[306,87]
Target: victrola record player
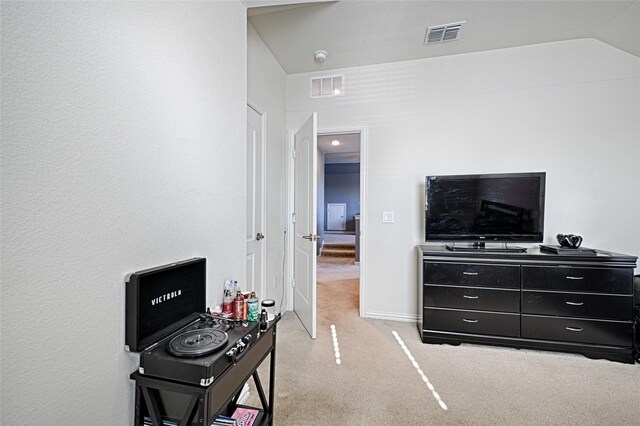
[193,366]
[166,322]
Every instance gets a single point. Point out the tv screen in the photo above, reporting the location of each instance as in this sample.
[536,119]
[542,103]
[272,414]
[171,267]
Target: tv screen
[489,207]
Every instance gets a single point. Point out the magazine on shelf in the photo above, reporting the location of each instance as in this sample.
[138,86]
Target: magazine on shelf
[245,416]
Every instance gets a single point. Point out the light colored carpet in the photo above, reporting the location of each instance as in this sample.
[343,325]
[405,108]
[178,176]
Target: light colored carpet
[376,382]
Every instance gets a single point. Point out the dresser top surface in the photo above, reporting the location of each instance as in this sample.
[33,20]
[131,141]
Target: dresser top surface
[532,255]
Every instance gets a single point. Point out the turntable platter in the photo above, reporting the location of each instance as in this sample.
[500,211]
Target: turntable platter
[197,342]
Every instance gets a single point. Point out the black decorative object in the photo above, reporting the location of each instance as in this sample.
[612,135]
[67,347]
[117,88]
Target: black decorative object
[569,240]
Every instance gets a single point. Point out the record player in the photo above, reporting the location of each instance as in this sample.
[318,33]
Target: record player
[166,322]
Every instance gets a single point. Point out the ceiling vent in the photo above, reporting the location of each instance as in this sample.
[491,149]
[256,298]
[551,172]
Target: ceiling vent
[329,85]
[440,33]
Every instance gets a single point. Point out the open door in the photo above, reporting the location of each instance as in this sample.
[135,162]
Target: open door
[304,224]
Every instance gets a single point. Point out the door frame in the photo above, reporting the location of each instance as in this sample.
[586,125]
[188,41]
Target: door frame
[263,247]
[363,131]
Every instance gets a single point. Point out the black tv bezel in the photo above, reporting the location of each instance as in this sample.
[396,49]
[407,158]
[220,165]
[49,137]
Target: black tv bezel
[488,238]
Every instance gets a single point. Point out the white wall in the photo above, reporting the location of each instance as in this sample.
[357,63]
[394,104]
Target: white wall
[123,148]
[569,108]
[267,87]
[320,206]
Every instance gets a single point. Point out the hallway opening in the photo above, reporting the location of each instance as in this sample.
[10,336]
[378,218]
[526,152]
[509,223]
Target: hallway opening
[339,195]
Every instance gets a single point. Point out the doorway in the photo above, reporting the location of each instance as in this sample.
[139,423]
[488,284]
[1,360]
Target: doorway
[339,198]
[337,216]
[256,201]
[359,133]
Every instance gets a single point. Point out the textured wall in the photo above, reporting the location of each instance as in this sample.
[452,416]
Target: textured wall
[123,147]
[570,109]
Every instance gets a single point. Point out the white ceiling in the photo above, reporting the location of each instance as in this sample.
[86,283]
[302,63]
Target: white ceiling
[347,152]
[356,33]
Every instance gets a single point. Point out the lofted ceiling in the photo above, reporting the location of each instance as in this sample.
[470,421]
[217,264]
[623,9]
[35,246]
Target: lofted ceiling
[357,32]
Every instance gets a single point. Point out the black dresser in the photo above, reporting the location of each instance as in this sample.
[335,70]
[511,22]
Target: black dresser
[570,303]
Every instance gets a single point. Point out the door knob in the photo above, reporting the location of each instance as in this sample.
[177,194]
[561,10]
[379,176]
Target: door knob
[259,236]
[310,237]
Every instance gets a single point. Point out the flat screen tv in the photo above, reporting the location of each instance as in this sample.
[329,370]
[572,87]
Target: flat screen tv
[506,207]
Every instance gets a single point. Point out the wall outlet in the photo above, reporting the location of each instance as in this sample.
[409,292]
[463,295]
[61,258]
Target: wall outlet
[388,217]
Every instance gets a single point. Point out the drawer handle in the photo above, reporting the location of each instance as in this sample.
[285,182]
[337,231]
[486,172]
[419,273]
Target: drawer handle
[469,297]
[574,329]
[469,320]
[470,273]
[575,278]
[575,303]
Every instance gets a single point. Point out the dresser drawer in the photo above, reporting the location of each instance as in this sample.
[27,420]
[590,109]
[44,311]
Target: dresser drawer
[601,280]
[472,274]
[474,298]
[597,332]
[578,305]
[472,322]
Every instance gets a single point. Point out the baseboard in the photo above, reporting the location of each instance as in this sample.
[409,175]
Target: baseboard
[391,316]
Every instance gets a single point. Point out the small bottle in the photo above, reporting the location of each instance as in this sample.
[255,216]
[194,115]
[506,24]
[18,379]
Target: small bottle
[263,320]
[245,307]
[227,303]
[238,305]
[252,303]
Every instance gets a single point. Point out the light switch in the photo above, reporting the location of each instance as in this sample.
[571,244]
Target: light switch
[388,217]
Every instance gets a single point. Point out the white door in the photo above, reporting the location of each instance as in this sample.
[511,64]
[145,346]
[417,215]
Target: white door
[304,210]
[336,217]
[255,204]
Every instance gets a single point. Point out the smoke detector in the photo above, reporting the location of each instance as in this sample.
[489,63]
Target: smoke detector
[442,33]
[319,56]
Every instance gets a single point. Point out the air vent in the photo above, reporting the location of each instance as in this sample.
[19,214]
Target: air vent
[440,33]
[329,85]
